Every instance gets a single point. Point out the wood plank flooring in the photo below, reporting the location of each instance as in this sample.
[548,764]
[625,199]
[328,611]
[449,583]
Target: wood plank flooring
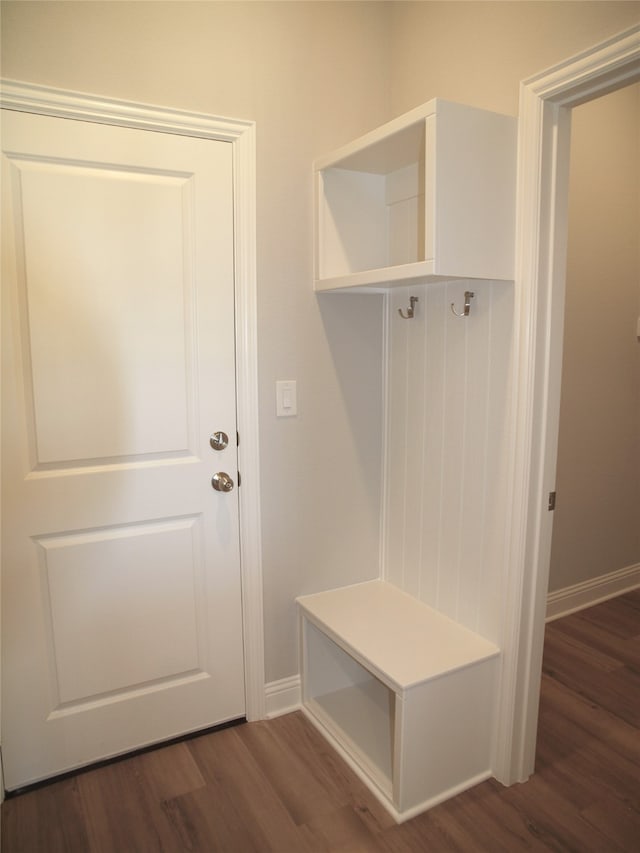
[277,786]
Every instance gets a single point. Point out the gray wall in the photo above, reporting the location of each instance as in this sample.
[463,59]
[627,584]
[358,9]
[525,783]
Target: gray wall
[479,52]
[313,76]
[596,527]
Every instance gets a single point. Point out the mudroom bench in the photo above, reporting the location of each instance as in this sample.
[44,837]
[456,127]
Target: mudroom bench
[404,693]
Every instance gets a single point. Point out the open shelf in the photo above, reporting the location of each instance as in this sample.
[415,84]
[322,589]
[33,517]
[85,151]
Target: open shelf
[428,196]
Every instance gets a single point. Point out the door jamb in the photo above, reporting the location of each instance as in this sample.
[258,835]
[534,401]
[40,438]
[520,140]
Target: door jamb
[33,98]
[541,226]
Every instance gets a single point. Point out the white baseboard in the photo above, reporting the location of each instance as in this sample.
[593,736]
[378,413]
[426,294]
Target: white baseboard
[562,602]
[283,696]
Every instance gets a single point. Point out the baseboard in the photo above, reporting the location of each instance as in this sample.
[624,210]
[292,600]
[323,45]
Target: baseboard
[562,602]
[283,696]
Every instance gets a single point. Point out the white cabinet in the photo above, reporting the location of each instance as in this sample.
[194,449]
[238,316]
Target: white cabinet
[430,195]
[403,692]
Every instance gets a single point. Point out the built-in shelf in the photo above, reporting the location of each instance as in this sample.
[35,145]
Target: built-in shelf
[404,693]
[428,196]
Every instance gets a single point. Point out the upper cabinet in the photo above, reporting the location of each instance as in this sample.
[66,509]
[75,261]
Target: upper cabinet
[428,196]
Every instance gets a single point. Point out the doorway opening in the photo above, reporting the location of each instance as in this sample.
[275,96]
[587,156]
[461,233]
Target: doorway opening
[546,101]
[596,539]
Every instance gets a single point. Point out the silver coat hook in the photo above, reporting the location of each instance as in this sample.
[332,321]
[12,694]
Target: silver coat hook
[468,296]
[409,314]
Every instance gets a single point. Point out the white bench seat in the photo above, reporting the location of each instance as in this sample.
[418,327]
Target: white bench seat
[405,693]
[397,637]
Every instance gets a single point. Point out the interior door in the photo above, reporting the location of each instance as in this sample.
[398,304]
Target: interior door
[122,617]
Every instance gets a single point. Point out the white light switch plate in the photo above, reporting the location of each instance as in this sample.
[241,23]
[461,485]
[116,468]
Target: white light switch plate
[286,398]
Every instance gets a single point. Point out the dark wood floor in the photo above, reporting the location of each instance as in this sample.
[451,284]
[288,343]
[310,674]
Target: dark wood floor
[276,785]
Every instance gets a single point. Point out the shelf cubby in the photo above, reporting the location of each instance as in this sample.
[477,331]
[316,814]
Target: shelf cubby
[428,196]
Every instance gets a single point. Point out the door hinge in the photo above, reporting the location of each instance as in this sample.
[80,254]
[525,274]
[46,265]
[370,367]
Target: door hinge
[239,480]
[552,501]
[237,439]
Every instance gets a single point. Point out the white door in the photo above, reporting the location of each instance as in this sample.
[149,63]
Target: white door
[122,619]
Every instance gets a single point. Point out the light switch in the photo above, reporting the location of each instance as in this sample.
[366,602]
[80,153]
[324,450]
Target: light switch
[286,398]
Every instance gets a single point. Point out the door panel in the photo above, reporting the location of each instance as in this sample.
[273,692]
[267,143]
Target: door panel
[66,243]
[122,620]
[103,589]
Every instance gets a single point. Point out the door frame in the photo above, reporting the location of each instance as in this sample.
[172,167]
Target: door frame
[544,131]
[241,134]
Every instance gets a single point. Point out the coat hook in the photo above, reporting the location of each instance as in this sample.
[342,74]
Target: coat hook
[468,296]
[409,314]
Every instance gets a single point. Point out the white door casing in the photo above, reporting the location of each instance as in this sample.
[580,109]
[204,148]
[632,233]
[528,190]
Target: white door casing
[100,493]
[541,228]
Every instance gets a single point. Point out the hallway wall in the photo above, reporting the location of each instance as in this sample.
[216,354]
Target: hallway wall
[313,76]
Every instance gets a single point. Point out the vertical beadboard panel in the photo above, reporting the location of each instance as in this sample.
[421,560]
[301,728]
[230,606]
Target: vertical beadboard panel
[447,397]
[414,460]
[475,485]
[397,425]
[455,429]
[431,425]
[489,624]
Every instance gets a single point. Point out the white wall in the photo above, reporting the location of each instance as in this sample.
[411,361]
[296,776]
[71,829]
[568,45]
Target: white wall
[313,76]
[596,527]
[478,52]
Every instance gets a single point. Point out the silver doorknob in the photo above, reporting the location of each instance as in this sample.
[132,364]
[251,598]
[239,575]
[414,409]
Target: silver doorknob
[222,482]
